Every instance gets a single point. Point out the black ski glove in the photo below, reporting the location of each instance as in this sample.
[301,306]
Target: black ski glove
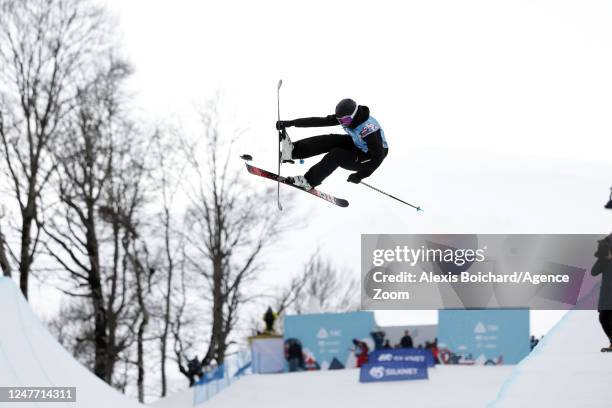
[354,178]
[281,124]
[604,249]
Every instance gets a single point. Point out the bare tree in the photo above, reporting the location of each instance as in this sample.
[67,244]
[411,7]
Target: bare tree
[4,262]
[96,146]
[229,225]
[290,295]
[142,290]
[169,173]
[321,287]
[45,47]
[182,342]
[126,198]
[73,327]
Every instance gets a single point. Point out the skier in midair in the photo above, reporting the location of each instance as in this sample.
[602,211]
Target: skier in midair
[362,149]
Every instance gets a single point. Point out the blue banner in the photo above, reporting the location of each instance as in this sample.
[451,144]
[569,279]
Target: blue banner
[485,337]
[327,338]
[216,374]
[242,370]
[402,354]
[393,371]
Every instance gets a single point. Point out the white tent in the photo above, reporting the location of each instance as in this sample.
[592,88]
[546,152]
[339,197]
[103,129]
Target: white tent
[30,356]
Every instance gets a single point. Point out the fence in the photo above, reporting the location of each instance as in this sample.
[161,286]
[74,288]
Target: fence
[215,381]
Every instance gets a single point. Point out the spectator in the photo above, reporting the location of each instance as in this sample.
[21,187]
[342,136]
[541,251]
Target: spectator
[294,356]
[435,351]
[603,267]
[361,352]
[194,369]
[379,338]
[387,345]
[533,341]
[609,205]
[269,318]
[406,340]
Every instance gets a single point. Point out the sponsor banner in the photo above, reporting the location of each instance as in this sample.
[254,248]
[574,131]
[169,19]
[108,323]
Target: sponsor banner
[423,356]
[327,338]
[485,337]
[393,371]
[478,271]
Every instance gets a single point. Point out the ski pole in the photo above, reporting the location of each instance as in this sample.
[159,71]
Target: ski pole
[389,195]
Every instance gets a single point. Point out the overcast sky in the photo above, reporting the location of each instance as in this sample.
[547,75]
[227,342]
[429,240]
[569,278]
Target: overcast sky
[496,112]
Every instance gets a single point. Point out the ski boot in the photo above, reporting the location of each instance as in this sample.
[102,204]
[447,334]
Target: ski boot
[286,155]
[607,349]
[301,182]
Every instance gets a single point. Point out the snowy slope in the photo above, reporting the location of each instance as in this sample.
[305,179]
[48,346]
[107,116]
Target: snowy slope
[30,356]
[180,399]
[448,386]
[565,370]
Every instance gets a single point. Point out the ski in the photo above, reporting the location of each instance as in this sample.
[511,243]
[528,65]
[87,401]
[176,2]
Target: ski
[281,134]
[340,202]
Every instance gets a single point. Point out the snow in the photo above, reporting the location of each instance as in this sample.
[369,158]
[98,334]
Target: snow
[30,356]
[448,386]
[180,399]
[566,369]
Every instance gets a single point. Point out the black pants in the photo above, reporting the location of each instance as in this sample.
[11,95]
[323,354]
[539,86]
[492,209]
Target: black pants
[605,318]
[341,152]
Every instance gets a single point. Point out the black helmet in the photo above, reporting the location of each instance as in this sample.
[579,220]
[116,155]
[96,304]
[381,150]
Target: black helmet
[346,108]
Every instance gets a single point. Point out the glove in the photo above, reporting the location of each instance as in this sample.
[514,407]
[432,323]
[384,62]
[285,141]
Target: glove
[354,178]
[604,249]
[281,124]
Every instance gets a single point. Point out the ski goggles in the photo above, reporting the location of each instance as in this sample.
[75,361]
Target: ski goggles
[348,119]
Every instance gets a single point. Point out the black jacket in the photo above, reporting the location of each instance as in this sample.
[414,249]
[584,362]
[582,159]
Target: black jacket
[376,151]
[294,351]
[604,267]
[406,342]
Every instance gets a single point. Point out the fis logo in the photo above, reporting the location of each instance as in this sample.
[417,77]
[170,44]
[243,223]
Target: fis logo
[377,372]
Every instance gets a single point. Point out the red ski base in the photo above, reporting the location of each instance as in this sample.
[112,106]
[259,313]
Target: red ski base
[340,202]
